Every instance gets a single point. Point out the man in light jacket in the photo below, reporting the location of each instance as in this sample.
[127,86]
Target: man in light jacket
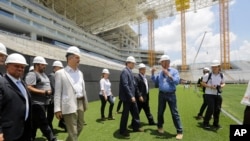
[70,99]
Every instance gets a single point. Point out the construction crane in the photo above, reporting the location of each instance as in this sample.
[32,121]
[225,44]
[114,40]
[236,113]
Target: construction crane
[224,34]
[182,6]
[151,15]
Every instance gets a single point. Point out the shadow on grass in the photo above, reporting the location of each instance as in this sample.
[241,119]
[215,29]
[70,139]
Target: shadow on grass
[99,120]
[165,135]
[117,135]
[211,129]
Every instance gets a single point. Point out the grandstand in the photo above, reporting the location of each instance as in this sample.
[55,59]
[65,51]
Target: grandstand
[239,73]
[25,46]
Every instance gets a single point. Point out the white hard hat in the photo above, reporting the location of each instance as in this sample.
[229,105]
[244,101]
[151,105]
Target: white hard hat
[31,68]
[206,69]
[58,64]
[16,58]
[39,60]
[131,59]
[141,65]
[3,49]
[164,57]
[105,71]
[215,63]
[74,50]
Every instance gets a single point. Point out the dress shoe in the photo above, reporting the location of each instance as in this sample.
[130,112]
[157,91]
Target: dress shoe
[179,136]
[111,118]
[125,134]
[160,130]
[138,130]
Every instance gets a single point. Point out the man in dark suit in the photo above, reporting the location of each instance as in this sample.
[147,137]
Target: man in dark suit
[127,96]
[142,98]
[15,103]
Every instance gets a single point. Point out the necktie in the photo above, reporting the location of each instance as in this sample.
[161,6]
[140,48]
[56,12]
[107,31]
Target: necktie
[24,93]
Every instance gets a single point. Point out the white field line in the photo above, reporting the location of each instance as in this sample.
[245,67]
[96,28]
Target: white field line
[231,116]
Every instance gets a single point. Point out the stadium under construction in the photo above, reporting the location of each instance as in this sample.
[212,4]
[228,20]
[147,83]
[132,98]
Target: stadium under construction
[101,30]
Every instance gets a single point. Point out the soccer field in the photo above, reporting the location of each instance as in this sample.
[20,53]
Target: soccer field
[189,103]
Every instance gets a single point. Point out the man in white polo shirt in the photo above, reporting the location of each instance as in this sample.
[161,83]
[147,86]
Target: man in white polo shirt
[213,82]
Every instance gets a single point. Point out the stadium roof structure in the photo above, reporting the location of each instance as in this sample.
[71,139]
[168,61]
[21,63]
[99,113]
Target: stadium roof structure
[97,16]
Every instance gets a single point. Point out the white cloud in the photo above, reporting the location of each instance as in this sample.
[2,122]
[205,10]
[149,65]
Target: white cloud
[168,37]
[242,53]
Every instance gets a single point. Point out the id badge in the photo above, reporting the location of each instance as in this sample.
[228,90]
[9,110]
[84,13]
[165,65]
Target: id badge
[165,80]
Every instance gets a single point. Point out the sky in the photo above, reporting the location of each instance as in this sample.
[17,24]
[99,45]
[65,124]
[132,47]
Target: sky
[204,22]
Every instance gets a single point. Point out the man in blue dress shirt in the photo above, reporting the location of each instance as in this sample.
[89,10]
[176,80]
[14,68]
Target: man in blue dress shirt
[166,80]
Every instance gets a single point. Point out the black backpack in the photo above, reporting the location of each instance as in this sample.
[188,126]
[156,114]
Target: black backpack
[209,77]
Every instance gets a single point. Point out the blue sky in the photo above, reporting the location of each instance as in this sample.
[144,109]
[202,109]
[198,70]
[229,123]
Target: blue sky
[168,36]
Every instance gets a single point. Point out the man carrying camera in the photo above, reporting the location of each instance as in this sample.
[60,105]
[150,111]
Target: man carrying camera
[214,82]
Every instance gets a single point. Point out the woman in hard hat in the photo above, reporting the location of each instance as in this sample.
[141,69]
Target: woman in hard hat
[106,95]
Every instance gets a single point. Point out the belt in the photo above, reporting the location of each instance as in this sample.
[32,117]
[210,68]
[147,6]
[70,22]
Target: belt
[167,92]
[79,98]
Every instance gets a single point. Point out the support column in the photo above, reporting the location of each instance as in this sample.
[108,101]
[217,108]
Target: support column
[151,15]
[224,34]
[33,36]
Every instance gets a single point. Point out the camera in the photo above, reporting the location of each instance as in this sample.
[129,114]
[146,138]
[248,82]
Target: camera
[218,88]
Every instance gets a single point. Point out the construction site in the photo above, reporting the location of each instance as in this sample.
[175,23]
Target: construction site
[101,29]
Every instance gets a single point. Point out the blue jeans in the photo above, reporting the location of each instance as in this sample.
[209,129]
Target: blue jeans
[169,98]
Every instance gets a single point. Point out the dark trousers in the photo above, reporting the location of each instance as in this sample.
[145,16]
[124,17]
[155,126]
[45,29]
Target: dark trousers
[119,106]
[246,119]
[145,106]
[133,109]
[40,121]
[26,133]
[111,102]
[50,115]
[203,106]
[213,108]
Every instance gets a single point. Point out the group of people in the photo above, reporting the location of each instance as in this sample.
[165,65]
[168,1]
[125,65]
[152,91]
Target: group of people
[29,102]
[134,96]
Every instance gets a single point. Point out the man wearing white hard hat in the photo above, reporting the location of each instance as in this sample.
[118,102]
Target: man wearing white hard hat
[206,71]
[70,98]
[127,88]
[167,80]
[40,89]
[57,65]
[142,96]
[15,107]
[214,82]
[105,95]
[3,55]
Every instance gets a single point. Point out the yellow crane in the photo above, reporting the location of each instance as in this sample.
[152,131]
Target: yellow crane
[224,34]
[182,6]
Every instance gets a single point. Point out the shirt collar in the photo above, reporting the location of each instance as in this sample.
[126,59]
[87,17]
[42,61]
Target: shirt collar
[142,75]
[129,69]
[12,78]
[69,69]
